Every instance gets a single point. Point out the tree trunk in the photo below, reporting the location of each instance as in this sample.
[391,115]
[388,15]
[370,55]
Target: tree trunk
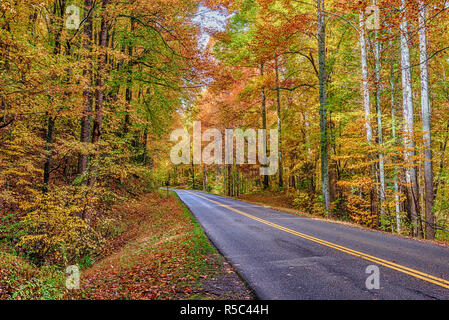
[129,92]
[145,146]
[365,81]
[99,92]
[51,118]
[264,124]
[367,103]
[87,92]
[278,102]
[394,136]
[193,176]
[426,124]
[204,179]
[377,49]
[409,133]
[229,181]
[323,104]
[48,149]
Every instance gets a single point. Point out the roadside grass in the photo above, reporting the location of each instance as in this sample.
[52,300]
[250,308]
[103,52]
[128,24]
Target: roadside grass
[20,280]
[166,256]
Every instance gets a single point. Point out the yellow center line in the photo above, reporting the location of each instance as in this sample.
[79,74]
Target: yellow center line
[415,273]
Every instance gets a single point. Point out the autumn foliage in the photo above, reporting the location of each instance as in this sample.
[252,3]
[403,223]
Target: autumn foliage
[86,114]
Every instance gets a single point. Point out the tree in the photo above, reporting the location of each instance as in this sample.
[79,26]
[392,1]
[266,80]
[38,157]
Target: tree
[426,123]
[409,132]
[88,97]
[323,102]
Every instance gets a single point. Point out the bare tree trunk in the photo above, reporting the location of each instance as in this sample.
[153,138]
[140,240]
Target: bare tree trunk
[426,123]
[323,104]
[409,133]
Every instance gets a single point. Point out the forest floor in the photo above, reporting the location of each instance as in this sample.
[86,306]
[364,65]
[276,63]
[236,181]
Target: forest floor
[272,199]
[158,251]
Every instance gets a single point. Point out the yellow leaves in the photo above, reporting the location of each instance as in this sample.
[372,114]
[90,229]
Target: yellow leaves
[359,210]
[53,228]
[361,182]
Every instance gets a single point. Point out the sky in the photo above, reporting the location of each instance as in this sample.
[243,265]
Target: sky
[209,19]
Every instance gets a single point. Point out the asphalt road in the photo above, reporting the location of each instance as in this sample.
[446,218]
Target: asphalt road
[286,257]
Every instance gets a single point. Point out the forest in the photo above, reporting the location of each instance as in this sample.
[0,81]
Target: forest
[91,90]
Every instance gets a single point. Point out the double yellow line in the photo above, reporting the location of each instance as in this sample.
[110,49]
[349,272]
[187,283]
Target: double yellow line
[412,272]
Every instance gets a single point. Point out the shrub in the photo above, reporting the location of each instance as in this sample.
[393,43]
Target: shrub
[304,201]
[53,230]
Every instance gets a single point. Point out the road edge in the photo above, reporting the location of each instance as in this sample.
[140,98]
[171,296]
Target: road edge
[219,251]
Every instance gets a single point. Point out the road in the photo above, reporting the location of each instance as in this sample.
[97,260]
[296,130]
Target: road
[287,257]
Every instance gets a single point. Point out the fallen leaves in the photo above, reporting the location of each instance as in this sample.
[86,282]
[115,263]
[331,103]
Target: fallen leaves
[158,256]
